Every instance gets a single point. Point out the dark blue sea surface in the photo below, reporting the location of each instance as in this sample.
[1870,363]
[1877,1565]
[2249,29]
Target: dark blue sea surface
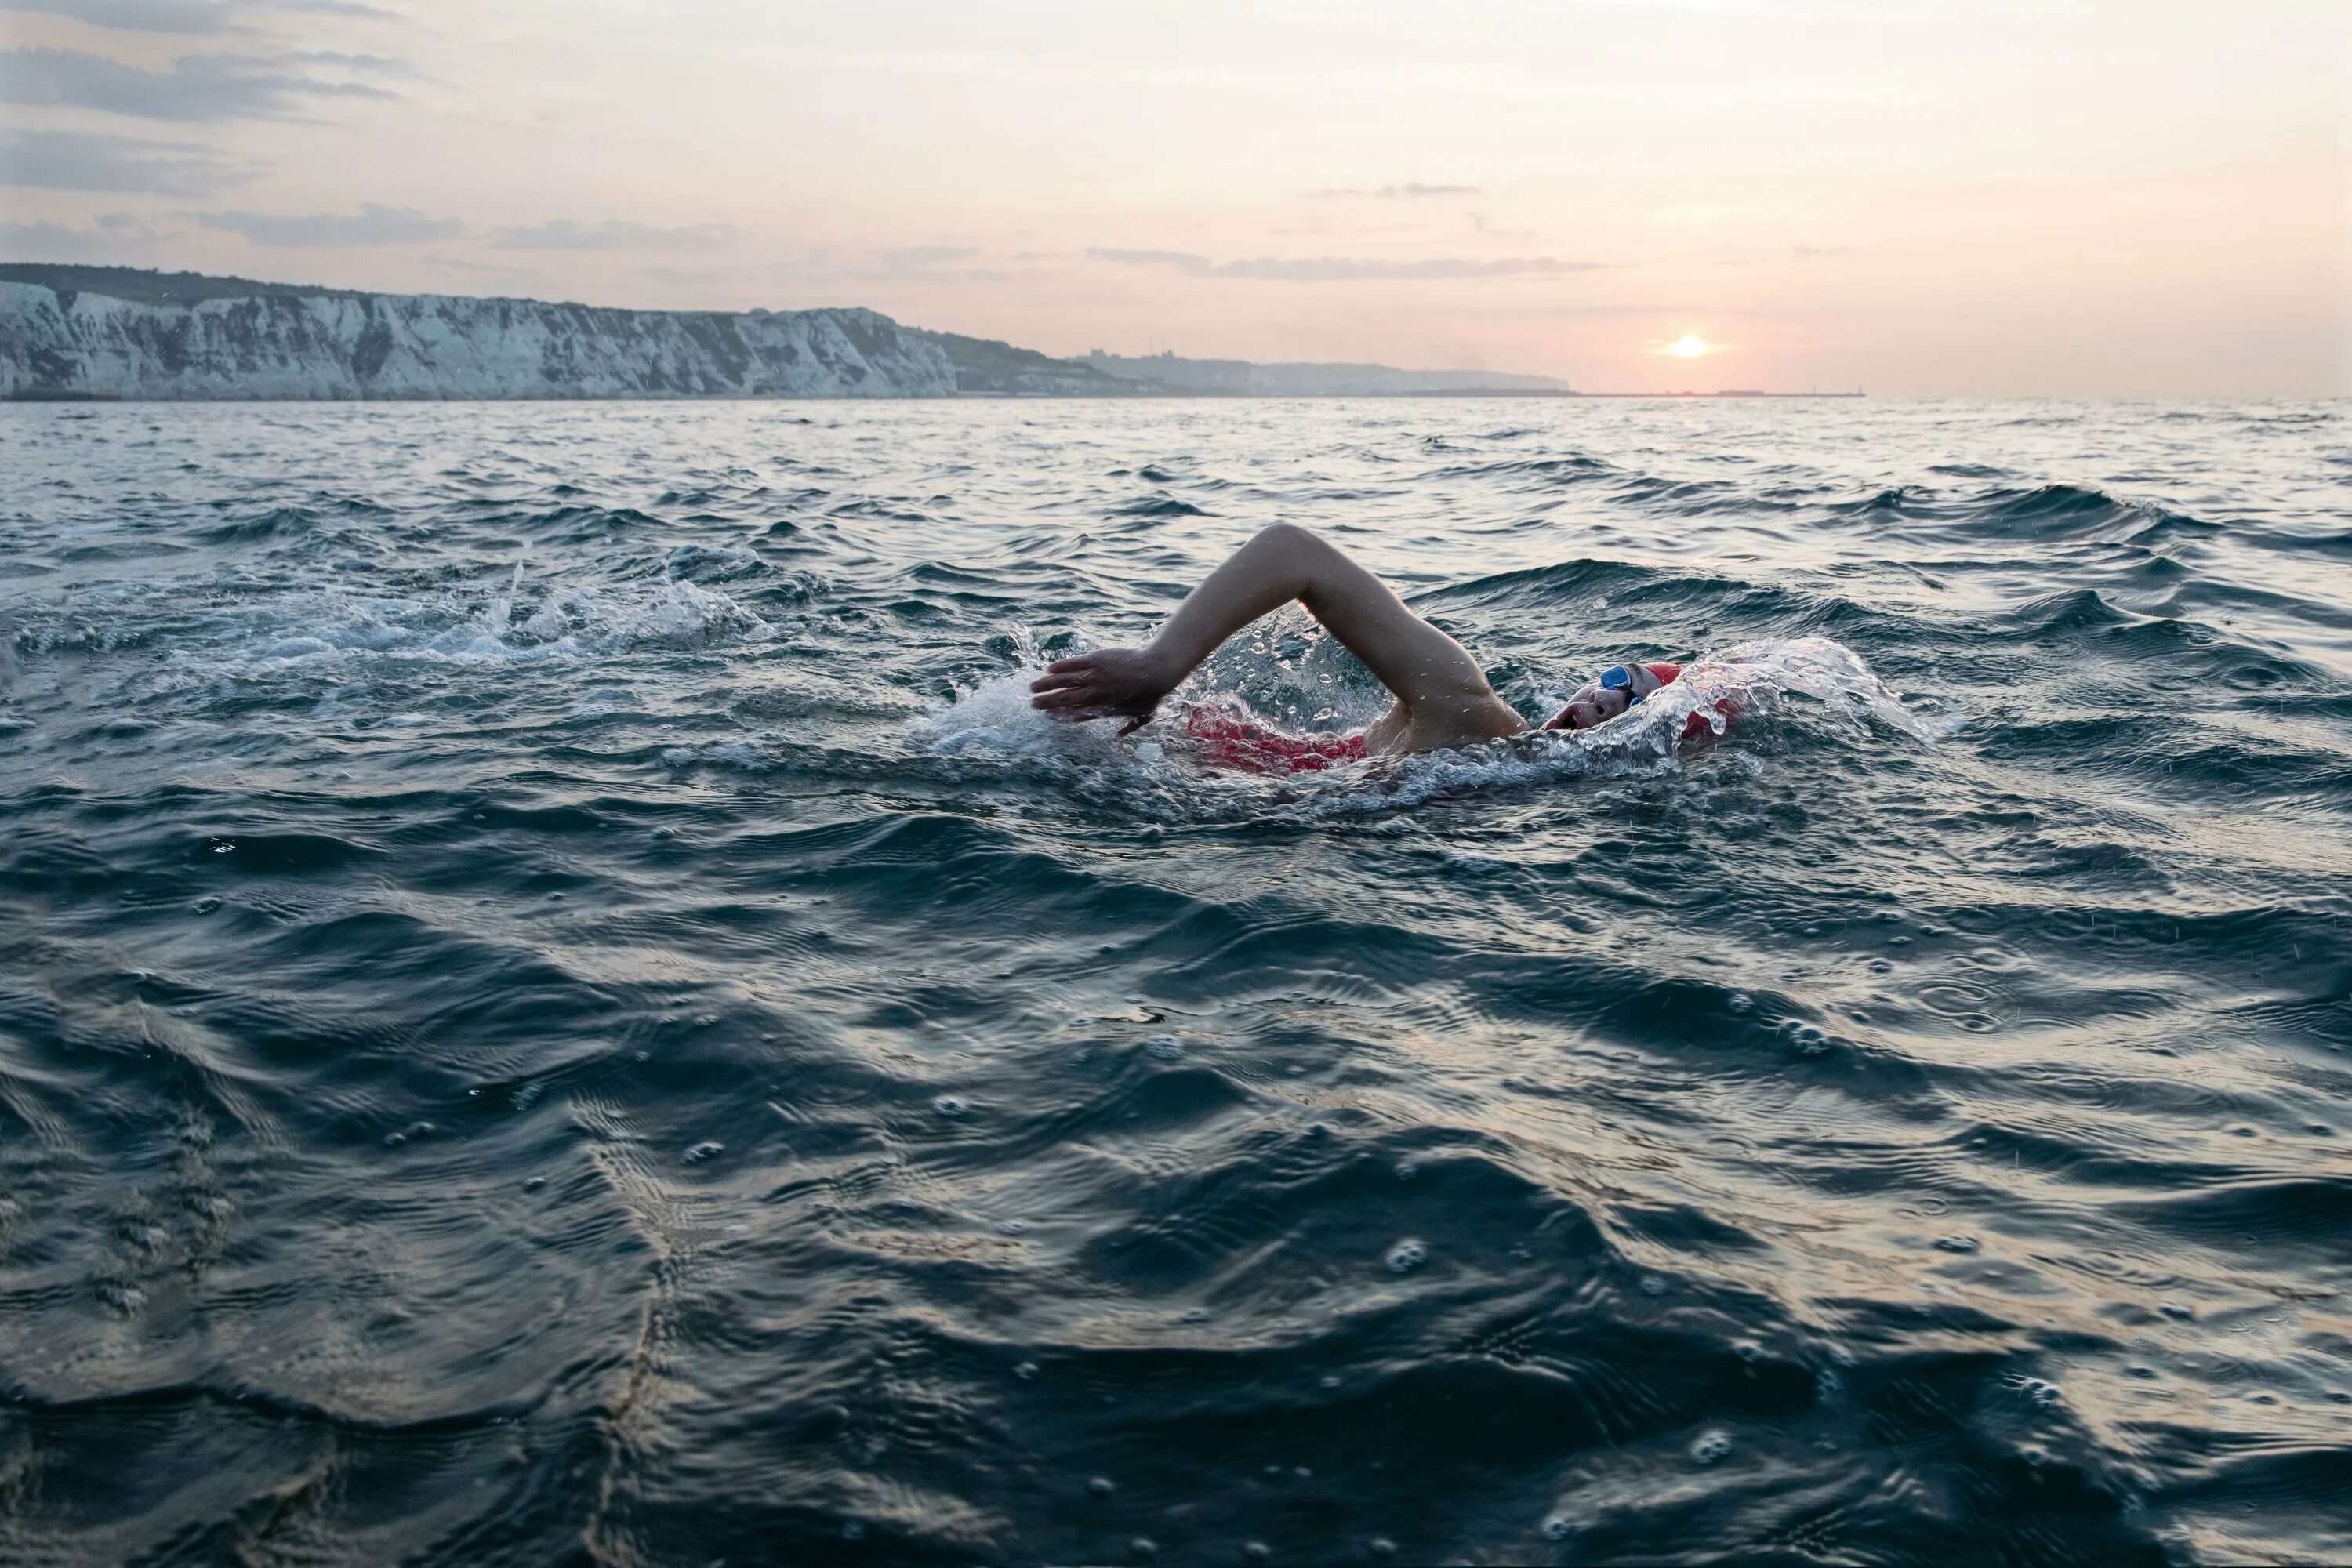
[556,1006]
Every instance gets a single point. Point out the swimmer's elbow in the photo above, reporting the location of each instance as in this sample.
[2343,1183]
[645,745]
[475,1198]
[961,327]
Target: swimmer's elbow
[1288,536]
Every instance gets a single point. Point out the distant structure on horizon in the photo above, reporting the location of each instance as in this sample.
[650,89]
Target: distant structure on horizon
[1244,378]
[72,332]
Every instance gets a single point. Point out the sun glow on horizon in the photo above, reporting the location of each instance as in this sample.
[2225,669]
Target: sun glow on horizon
[1690,346]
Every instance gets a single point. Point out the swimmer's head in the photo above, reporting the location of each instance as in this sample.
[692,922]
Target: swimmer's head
[1597,701]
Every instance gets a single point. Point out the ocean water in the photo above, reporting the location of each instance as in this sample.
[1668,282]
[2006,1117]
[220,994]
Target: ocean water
[556,1006]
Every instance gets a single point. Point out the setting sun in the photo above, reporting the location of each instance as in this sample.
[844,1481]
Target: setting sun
[1690,346]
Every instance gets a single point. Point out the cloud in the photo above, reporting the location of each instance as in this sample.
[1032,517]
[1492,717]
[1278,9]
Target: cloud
[613,234]
[909,257]
[188,19]
[195,87]
[115,234]
[1344,269]
[372,225]
[82,161]
[1392,193]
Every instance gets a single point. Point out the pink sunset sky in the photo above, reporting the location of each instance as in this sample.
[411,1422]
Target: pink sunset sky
[1915,197]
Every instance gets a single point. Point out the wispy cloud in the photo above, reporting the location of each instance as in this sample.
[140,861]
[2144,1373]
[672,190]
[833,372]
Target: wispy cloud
[912,258]
[187,18]
[372,225]
[193,88]
[1346,268]
[613,234]
[84,161]
[113,233]
[1392,193]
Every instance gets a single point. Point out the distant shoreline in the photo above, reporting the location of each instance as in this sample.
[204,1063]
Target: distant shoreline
[52,395]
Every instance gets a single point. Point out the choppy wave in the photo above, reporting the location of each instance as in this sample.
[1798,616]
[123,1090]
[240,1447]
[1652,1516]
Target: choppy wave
[559,1001]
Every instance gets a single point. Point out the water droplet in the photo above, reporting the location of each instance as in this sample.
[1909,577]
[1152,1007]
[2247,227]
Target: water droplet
[1407,1255]
[223,845]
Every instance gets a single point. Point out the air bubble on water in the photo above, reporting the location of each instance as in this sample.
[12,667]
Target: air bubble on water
[1407,1255]
[1810,1039]
[1025,1371]
[2040,1392]
[948,1105]
[1710,1446]
[1166,1047]
[1558,1528]
[702,1150]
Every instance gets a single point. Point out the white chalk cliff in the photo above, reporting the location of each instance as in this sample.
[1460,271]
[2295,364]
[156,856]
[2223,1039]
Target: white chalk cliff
[112,332]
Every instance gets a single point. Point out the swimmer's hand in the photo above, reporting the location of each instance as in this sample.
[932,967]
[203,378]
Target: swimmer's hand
[1109,683]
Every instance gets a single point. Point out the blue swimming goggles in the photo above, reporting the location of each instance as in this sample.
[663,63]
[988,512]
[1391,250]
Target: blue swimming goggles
[1620,678]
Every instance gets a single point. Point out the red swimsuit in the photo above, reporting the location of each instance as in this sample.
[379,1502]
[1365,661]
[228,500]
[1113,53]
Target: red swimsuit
[1238,742]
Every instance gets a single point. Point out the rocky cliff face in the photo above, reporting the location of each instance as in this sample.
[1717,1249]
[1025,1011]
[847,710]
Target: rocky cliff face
[104,332]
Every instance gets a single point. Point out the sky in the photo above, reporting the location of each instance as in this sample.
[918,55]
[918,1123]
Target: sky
[2139,198]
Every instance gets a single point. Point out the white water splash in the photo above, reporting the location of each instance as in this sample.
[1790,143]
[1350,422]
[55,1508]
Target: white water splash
[1738,689]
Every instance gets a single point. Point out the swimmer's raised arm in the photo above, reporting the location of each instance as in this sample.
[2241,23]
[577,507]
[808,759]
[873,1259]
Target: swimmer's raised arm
[1443,698]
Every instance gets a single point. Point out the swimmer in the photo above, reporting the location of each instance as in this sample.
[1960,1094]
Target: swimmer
[1443,699]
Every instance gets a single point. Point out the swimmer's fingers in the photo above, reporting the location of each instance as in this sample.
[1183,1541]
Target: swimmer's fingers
[1061,676]
[1073,695]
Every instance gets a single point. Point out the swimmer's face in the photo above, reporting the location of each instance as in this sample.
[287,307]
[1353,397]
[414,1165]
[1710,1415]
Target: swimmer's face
[1592,704]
